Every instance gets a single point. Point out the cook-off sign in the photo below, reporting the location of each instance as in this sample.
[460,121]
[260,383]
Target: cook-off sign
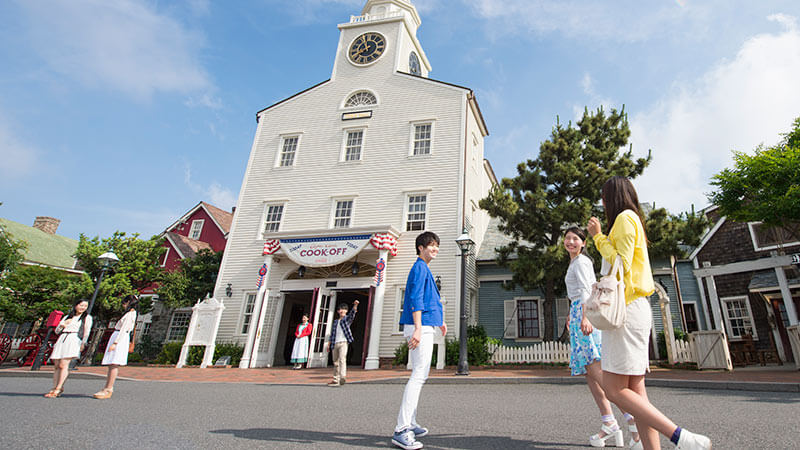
[323,252]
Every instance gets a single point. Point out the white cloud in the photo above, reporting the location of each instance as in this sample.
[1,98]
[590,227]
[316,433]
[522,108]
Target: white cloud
[213,193]
[16,157]
[737,105]
[124,45]
[594,100]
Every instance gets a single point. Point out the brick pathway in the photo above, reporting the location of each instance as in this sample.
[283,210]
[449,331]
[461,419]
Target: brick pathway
[284,375]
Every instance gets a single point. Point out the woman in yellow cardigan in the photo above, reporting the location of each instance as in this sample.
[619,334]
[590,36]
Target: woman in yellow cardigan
[625,350]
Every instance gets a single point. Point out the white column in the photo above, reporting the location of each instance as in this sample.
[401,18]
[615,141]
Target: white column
[259,310]
[787,296]
[373,359]
[715,307]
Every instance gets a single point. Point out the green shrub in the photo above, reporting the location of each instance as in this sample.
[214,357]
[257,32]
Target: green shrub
[401,354]
[134,358]
[170,352]
[148,348]
[231,349]
[97,359]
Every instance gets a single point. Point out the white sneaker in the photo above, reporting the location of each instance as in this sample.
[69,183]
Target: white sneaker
[692,441]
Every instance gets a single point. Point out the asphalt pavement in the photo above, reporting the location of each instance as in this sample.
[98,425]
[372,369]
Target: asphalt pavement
[178,415]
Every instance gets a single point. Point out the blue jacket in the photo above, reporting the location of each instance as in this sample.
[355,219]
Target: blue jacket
[422,295]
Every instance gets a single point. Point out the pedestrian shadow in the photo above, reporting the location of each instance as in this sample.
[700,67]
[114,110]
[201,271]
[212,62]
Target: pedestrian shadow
[317,438]
[29,394]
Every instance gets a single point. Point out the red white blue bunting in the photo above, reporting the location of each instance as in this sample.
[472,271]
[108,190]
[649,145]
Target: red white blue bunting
[380,267]
[384,241]
[271,246]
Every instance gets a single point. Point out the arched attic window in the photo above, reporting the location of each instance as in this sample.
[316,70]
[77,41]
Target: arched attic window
[361,98]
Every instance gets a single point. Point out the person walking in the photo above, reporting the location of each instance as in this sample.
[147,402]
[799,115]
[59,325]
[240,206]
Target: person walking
[585,340]
[116,353]
[74,332]
[625,349]
[422,314]
[300,348]
[339,341]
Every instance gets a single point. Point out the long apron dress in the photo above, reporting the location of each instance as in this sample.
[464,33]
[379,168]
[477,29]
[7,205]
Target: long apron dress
[300,349]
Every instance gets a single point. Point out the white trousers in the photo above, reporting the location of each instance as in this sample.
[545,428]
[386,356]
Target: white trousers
[420,359]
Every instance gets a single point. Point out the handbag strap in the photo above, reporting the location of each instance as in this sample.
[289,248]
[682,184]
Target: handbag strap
[617,268]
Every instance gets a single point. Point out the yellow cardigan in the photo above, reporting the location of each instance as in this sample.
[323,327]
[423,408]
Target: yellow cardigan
[627,240]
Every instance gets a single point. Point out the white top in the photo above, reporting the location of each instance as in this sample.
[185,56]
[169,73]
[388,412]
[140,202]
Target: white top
[580,278]
[127,322]
[74,325]
[340,337]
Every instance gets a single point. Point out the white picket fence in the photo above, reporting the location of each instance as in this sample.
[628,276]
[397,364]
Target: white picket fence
[684,352]
[543,352]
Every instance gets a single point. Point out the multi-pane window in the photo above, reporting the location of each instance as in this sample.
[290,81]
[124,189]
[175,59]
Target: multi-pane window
[272,221]
[288,151]
[352,148]
[766,237]
[197,228]
[361,98]
[737,313]
[528,319]
[247,317]
[401,297]
[415,215]
[422,138]
[343,214]
[179,325]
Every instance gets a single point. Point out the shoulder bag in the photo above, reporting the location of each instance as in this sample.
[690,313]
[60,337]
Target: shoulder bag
[605,308]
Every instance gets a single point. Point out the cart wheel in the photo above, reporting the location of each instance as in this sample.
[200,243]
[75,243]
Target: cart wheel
[5,346]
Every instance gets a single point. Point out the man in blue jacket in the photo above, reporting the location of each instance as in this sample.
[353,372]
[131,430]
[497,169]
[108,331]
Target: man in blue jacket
[422,314]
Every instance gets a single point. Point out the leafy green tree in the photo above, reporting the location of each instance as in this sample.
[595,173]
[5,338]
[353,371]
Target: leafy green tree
[11,251]
[137,269]
[673,234]
[32,292]
[560,186]
[194,278]
[763,187]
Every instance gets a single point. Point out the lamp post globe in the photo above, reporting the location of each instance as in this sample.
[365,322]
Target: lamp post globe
[107,261]
[465,243]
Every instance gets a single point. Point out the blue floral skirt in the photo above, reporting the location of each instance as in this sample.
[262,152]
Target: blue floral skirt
[584,350]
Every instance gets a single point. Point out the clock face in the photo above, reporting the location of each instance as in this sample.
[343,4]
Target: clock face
[413,64]
[367,48]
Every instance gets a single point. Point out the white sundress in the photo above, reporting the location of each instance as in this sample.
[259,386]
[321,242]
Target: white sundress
[68,345]
[122,337]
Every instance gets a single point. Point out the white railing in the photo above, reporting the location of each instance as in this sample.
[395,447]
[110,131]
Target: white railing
[370,17]
[684,353]
[543,352]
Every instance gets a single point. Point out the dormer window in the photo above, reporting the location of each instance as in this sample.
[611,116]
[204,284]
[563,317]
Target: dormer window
[361,98]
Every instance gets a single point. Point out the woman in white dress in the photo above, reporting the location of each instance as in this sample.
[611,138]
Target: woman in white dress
[73,333]
[300,349]
[117,349]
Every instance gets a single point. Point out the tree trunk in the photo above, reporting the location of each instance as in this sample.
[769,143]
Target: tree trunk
[549,311]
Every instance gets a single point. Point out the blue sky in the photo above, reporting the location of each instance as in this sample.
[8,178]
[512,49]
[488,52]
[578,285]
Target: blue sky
[121,115]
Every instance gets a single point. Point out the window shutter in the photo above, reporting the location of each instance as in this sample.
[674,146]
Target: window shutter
[510,319]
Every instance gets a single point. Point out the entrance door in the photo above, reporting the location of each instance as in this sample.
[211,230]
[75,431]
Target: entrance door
[782,319]
[323,320]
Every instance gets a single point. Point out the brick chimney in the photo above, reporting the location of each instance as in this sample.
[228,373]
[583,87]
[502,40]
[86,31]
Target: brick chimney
[47,224]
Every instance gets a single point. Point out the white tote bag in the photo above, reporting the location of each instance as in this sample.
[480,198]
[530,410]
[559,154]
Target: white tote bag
[605,308]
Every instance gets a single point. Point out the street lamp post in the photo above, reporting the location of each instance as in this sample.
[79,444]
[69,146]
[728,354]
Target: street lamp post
[107,261]
[465,243]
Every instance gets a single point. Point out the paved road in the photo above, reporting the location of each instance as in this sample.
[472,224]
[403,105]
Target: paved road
[197,415]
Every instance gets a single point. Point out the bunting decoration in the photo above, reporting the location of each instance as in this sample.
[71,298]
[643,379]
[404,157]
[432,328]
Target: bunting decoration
[271,246]
[380,266]
[261,273]
[384,241]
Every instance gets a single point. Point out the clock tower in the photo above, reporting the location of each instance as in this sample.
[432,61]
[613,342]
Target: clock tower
[382,39]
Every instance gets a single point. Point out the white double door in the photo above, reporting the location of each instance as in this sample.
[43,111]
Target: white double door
[325,305]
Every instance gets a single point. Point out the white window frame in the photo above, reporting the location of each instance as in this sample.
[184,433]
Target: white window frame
[166,255]
[199,231]
[696,313]
[400,293]
[172,322]
[515,335]
[370,91]
[729,328]
[345,135]
[244,313]
[267,205]
[334,204]
[407,204]
[279,153]
[754,237]
[413,135]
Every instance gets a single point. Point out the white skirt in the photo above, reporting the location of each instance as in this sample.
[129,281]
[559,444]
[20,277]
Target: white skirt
[626,349]
[67,346]
[300,350]
[118,356]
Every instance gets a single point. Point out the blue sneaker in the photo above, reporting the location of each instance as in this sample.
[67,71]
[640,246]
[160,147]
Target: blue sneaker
[419,431]
[405,440]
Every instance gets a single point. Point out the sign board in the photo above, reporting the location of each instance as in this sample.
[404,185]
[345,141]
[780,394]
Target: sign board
[223,361]
[796,259]
[325,251]
[357,115]
[202,330]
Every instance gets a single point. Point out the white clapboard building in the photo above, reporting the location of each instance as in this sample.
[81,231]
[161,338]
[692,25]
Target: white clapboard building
[341,179]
